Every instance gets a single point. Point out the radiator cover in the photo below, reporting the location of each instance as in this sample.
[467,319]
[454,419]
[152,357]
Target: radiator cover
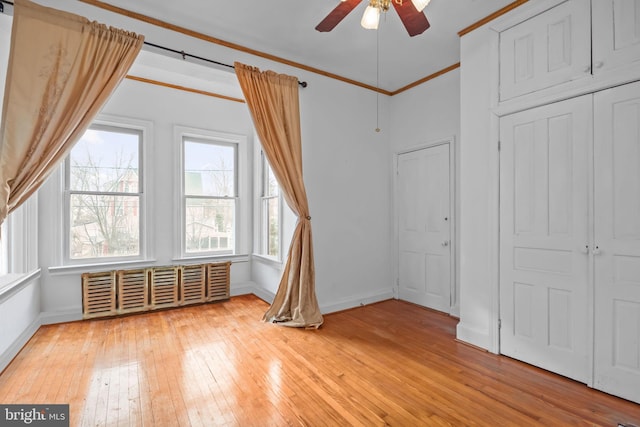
[117,292]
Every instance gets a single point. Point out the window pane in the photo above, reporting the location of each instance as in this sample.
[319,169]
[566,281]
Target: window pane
[104,226]
[273,226]
[209,169]
[209,225]
[272,184]
[106,161]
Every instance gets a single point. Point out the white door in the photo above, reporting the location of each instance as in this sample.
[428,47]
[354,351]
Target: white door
[617,236]
[424,253]
[544,236]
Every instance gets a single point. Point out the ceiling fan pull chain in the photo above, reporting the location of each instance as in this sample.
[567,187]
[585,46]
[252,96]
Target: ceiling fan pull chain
[377,81]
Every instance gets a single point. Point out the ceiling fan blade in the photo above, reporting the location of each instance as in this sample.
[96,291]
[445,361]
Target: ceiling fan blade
[337,15]
[415,22]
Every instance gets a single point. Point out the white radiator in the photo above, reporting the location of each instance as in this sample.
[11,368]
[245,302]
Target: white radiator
[117,292]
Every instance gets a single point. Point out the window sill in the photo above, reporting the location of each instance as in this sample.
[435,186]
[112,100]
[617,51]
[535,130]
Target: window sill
[12,283]
[103,266]
[211,258]
[267,260]
[120,265]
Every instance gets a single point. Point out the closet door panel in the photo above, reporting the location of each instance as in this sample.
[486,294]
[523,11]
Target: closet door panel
[543,234]
[548,49]
[617,236]
[616,33]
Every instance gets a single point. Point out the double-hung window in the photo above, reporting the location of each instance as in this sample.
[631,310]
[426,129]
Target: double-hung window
[270,212]
[104,189]
[209,196]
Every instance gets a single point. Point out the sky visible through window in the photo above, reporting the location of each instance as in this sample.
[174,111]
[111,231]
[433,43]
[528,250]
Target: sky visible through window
[209,169]
[108,153]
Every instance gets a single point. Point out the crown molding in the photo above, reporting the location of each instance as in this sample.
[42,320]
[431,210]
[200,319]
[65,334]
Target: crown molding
[491,17]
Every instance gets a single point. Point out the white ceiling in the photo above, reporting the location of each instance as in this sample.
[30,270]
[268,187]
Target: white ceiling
[286,28]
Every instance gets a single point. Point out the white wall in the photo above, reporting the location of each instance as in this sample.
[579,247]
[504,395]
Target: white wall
[478,192]
[347,170]
[19,318]
[427,114]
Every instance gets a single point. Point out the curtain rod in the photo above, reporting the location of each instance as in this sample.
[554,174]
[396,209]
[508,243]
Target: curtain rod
[2,6]
[179,52]
[185,54]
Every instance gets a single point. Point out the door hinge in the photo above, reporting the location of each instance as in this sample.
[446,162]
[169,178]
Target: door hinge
[499,145]
[499,323]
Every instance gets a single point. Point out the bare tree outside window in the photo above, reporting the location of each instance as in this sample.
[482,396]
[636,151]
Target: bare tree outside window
[103,181]
[270,211]
[209,196]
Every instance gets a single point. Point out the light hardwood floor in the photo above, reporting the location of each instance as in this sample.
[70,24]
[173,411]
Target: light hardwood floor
[390,363]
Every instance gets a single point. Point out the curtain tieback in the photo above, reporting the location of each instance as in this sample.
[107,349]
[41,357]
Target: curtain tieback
[308,217]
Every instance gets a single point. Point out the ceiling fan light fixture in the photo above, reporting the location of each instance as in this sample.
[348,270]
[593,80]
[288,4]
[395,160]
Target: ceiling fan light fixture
[371,18]
[420,4]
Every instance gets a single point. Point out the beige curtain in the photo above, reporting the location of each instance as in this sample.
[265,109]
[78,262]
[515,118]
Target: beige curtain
[273,102]
[62,69]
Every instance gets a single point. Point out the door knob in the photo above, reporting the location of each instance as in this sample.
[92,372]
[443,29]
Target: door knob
[585,249]
[445,243]
[596,250]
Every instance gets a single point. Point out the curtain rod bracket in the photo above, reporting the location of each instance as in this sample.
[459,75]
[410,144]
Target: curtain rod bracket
[2,2]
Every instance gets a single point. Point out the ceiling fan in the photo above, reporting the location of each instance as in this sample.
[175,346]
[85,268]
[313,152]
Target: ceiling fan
[410,12]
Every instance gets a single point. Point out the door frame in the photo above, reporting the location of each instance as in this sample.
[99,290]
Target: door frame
[454,299]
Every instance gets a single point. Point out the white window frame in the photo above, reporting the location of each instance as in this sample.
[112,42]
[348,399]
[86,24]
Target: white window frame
[4,248]
[19,239]
[263,206]
[242,226]
[144,128]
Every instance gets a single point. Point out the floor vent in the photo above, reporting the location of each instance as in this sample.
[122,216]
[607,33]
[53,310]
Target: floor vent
[116,292]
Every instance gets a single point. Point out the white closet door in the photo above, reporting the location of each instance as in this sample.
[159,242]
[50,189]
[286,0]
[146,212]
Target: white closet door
[424,253]
[543,236]
[617,236]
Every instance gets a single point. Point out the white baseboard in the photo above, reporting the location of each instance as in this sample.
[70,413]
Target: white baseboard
[7,356]
[356,301]
[473,336]
[264,294]
[243,288]
[52,317]
[251,288]
[455,311]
